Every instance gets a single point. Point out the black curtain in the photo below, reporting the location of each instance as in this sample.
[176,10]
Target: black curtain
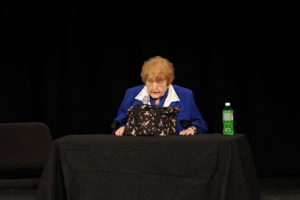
[69,67]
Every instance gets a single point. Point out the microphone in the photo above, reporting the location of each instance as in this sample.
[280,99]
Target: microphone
[146,100]
[114,126]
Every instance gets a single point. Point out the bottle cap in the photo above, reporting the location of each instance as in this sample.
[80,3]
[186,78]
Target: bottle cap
[227,103]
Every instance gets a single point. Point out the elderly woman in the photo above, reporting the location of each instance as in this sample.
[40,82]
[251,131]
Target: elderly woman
[157,75]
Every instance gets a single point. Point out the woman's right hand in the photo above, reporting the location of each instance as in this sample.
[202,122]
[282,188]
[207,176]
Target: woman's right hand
[120,131]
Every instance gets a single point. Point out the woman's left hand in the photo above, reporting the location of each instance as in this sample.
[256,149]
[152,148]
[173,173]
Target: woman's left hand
[188,131]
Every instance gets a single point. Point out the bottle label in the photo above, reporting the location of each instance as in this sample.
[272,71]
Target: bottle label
[227,114]
[228,127]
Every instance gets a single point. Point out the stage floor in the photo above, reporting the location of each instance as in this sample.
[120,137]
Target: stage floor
[280,188]
[272,188]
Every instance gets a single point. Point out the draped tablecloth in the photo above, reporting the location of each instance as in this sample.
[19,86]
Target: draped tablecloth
[107,167]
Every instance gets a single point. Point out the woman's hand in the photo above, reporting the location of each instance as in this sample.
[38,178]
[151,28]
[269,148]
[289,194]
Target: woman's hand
[120,131]
[188,131]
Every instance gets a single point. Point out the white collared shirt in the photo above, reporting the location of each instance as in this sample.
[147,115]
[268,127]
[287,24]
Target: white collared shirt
[172,96]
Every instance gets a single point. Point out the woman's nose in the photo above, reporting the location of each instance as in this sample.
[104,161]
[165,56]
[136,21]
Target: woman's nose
[155,85]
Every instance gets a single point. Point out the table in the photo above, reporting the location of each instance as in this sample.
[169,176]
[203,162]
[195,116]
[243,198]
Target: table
[206,166]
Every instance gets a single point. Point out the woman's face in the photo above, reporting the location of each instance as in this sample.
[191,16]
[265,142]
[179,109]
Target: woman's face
[156,87]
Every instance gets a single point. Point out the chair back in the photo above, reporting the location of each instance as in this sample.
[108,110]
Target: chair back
[24,149]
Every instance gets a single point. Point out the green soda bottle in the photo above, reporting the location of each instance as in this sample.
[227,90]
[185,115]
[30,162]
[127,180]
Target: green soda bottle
[228,120]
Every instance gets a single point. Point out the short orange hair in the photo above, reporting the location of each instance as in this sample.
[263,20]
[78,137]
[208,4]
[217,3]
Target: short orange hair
[158,68]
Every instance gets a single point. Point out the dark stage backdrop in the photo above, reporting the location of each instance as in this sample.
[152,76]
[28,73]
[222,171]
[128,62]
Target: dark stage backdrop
[69,68]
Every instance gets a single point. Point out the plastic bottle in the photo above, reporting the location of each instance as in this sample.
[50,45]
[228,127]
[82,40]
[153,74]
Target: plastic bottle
[228,120]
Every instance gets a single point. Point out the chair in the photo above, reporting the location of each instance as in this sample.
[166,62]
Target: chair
[24,148]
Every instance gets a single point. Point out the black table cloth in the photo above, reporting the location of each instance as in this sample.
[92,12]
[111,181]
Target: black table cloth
[106,167]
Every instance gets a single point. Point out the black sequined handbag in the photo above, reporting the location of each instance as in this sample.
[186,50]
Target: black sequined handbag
[144,120]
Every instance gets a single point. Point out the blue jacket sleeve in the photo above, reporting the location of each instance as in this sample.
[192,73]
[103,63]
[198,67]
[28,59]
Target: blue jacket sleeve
[196,117]
[122,113]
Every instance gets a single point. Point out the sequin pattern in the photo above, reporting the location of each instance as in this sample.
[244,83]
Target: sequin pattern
[151,120]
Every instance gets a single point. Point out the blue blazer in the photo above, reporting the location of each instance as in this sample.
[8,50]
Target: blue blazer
[177,96]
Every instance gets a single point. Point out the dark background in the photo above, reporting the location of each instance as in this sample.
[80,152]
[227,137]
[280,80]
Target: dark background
[69,68]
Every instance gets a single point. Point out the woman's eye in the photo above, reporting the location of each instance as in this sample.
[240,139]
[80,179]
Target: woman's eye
[160,82]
